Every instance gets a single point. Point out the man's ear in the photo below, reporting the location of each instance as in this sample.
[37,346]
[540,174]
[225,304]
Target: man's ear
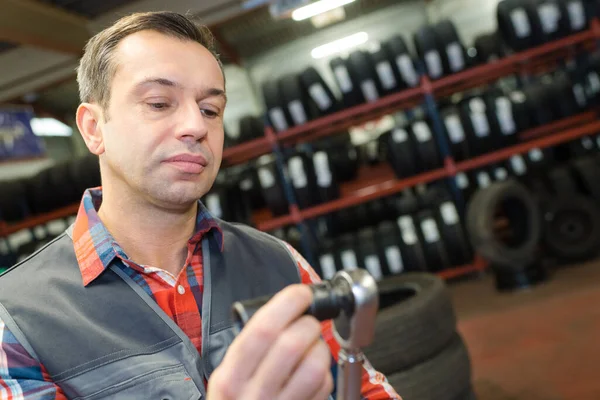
[88,119]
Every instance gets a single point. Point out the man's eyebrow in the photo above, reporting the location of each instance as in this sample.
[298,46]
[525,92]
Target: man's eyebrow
[215,92]
[158,81]
[211,92]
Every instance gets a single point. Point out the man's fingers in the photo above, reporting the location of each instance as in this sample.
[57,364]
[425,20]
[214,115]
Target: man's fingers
[250,347]
[312,377]
[326,389]
[284,356]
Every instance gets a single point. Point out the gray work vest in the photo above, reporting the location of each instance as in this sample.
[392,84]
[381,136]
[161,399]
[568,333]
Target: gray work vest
[110,340]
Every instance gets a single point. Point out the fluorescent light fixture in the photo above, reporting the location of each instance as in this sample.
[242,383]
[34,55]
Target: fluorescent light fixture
[337,46]
[50,127]
[317,8]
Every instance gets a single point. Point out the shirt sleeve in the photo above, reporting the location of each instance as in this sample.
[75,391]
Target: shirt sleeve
[22,377]
[375,385]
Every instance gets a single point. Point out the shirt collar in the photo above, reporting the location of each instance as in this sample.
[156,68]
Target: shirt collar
[95,248]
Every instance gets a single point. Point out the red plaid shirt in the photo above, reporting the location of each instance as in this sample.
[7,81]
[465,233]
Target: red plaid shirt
[180,297]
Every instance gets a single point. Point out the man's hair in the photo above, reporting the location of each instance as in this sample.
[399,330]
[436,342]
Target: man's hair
[97,66]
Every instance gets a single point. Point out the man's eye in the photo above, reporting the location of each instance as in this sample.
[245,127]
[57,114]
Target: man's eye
[210,113]
[158,106]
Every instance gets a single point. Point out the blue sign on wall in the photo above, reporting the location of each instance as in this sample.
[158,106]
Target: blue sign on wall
[17,139]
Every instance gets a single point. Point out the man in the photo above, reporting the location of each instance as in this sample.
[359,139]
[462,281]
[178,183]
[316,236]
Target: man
[133,300]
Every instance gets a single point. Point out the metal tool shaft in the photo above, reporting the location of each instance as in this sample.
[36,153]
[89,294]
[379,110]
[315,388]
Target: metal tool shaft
[351,300]
[349,376]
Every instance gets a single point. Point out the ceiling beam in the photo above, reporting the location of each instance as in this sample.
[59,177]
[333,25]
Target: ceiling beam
[37,24]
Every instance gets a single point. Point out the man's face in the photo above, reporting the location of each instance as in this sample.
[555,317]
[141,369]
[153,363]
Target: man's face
[164,136]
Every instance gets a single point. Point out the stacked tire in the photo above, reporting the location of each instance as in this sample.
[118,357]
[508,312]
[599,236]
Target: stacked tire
[416,344]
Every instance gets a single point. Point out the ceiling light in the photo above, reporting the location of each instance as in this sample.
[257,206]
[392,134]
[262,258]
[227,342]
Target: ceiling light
[50,127]
[317,8]
[340,45]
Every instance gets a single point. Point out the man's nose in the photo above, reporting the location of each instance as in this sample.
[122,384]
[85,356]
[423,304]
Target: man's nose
[192,125]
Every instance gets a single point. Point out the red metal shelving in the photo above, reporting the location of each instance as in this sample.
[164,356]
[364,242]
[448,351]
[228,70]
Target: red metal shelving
[543,142]
[342,120]
[246,151]
[31,222]
[380,182]
[570,122]
[478,265]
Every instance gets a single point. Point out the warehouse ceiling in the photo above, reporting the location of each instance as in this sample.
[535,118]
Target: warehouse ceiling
[256,32]
[240,34]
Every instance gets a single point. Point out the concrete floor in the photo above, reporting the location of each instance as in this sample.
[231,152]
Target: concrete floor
[538,344]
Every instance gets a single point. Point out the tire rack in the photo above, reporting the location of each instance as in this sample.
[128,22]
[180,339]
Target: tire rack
[540,58]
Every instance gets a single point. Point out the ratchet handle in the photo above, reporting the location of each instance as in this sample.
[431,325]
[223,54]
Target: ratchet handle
[328,302]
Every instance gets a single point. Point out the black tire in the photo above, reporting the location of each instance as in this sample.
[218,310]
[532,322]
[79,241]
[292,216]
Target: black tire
[416,321]
[499,110]
[539,104]
[470,395]
[326,179]
[351,94]
[518,23]
[13,200]
[295,101]
[455,132]
[522,211]
[404,62]
[411,243]
[327,266]
[453,233]
[480,135]
[363,73]
[587,171]
[369,253]
[318,91]
[250,187]
[429,53]
[572,228]
[454,55]
[388,242]
[433,244]
[489,47]
[554,19]
[565,103]
[520,108]
[388,77]
[579,15]
[428,157]
[302,178]
[447,375]
[61,183]
[347,257]
[274,102]
[41,195]
[562,181]
[251,127]
[399,150]
[85,172]
[343,157]
[272,189]
[465,184]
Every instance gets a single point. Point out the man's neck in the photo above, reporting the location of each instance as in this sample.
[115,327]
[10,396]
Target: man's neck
[149,235]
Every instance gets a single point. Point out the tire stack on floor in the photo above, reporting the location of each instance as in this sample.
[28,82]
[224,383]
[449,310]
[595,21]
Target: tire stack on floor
[416,344]
[549,215]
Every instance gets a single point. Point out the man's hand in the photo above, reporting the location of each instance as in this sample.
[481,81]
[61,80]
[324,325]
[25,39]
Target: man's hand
[278,355]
